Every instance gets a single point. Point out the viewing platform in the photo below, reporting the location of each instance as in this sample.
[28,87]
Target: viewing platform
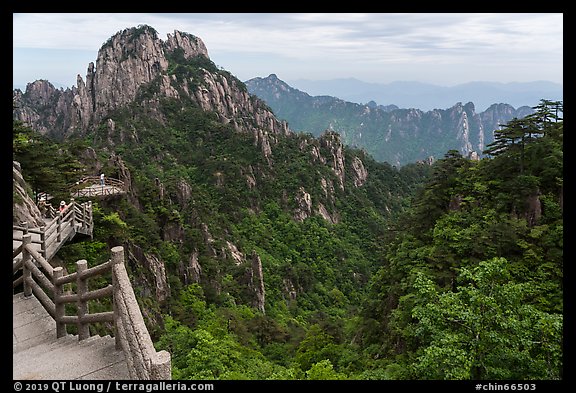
[91,186]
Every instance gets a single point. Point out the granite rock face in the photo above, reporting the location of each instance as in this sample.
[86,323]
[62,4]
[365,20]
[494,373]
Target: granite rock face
[23,209]
[135,64]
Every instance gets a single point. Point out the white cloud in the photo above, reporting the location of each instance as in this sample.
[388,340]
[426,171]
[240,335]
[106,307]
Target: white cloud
[333,41]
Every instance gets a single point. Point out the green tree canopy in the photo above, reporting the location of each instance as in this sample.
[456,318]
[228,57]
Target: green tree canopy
[485,329]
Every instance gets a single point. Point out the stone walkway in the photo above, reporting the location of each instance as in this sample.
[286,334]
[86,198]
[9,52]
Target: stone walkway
[39,355]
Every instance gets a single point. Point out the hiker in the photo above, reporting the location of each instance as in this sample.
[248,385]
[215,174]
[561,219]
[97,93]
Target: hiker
[102,179]
[42,206]
[62,206]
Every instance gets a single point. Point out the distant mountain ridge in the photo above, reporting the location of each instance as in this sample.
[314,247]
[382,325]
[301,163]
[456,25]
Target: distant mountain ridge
[425,96]
[397,136]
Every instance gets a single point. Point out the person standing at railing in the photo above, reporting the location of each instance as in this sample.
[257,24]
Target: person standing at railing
[102,179]
[62,206]
[42,207]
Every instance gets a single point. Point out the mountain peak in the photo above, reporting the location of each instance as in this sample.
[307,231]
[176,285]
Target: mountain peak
[136,66]
[144,40]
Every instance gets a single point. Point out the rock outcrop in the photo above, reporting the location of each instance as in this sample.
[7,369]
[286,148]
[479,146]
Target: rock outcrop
[258,283]
[359,172]
[192,271]
[303,205]
[330,142]
[24,209]
[157,285]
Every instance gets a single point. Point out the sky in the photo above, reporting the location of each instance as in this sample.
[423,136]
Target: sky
[444,49]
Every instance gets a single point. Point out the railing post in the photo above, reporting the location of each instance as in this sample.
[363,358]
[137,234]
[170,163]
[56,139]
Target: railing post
[60,306]
[84,216]
[116,261]
[73,218]
[162,366]
[26,273]
[43,248]
[90,218]
[82,289]
[25,227]
[59,228]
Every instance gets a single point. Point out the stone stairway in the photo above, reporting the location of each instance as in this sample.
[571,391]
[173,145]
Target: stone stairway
[39,355]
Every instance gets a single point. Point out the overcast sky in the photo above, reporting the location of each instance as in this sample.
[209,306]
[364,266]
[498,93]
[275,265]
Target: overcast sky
[440,48]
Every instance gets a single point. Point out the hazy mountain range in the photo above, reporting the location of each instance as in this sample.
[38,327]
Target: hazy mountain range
[397,136]
[427,97]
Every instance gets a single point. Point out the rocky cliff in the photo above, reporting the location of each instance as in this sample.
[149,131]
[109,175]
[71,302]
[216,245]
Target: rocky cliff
[136,63]
[24,209]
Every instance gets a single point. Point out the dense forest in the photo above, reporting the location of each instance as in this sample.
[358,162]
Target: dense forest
[445,271]
[471,285]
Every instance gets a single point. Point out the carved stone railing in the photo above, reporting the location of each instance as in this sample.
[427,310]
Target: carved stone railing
[143,360]
[46,283]
[75,218]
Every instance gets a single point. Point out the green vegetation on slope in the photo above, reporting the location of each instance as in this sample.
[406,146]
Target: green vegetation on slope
[471,288]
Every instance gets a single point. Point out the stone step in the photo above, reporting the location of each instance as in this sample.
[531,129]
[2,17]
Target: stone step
[38,354]
[31,323]
[90,359]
